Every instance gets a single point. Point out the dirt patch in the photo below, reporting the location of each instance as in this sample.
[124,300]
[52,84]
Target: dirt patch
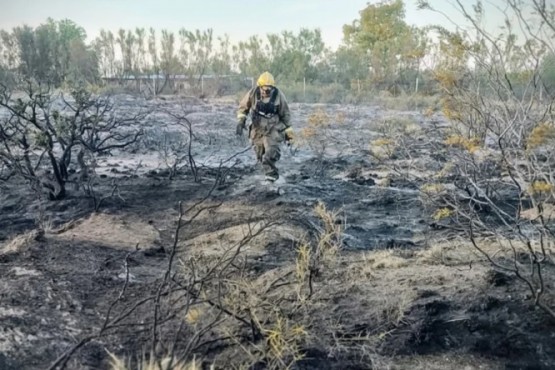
[112,230]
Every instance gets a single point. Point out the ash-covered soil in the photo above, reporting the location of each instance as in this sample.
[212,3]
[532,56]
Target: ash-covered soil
[401,292]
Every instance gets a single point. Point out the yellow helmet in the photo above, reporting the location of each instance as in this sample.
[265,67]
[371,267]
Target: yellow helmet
[266,79]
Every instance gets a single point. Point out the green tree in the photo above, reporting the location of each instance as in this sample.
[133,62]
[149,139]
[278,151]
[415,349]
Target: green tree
[27,51]
[348,66]
[126,41]
[251,57]
[389,44]
[220,63]
[9,51]
[83,65]
[140,52]
[153,52]
[169,62]
[548,73]
[106,53]
[53,53]
[70,37]
[294,57]
[48,63]
[195,52]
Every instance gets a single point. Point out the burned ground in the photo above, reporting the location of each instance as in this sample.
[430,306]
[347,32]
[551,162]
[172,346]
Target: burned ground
[403,292]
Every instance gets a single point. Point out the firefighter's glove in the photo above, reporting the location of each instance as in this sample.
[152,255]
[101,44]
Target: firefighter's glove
[240,127]
[289,137]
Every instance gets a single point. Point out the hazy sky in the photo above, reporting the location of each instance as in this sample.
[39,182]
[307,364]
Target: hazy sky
[237,18]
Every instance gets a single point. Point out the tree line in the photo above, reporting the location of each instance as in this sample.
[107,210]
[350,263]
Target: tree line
[380,51]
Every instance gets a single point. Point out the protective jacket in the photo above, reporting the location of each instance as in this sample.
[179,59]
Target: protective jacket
[271,111]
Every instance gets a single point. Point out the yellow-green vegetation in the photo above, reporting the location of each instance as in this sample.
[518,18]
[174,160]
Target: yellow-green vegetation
[193,315]
[386,259]
[283,339]
[538,187]
[446,170]
[470,144]
[543,134]
[316,122]
[446,77]
[330,240]
[431,194]
[40,139]
[166,363]
[398,125]
[429,112]
[393,131]
[442,213]
[340,117]
[382,148]
[432,189]
[303,268]
[316,134]
[451,109]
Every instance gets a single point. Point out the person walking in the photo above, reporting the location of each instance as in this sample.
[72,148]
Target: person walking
[270,124]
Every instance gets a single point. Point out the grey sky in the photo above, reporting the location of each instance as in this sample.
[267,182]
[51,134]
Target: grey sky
[239,19]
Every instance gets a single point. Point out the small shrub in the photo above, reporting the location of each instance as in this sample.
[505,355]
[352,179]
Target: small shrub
[442,213]
[471,144]
[332,94]
[432,188]
[538,187]
[541,135]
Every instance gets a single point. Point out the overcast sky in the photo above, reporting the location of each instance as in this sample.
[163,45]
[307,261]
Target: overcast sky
[237,18]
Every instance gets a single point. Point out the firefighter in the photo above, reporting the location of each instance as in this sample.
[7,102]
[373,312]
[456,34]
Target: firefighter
[270,122]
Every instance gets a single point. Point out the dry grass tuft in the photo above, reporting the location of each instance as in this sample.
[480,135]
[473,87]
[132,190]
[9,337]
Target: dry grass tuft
[22,241]
[386,259]
[167,363]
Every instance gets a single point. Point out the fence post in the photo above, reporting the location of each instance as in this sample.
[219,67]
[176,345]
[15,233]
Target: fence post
[416,86]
